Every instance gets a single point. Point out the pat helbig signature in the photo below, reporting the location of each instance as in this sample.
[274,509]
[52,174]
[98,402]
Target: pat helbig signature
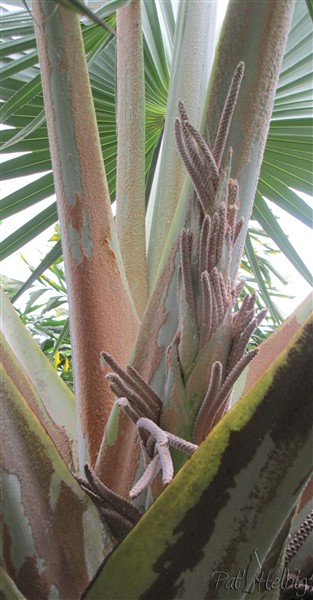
[262,582]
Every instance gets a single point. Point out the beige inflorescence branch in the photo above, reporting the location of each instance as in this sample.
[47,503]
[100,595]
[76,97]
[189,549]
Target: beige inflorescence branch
[143,406]
[216,294]
[207,298]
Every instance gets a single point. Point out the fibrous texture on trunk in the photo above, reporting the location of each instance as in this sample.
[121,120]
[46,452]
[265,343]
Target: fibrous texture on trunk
[94,270]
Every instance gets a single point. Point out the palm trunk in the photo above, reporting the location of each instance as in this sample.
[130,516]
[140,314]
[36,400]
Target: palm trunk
[98,293]
[130,183]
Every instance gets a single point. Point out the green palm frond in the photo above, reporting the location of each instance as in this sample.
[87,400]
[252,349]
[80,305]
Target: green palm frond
[286,168]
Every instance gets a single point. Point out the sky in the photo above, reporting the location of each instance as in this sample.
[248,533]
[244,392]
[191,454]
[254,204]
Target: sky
[300,236]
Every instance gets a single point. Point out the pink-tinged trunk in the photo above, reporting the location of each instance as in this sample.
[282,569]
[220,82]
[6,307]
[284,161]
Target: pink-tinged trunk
[130,184]
[256,33]
[102,315]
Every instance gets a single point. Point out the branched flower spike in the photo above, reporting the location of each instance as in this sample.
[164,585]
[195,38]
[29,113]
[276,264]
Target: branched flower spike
[213,300]
[207,297]
[162,460]
[129,384]
[117,513]
[197,158]
[299,537]
[227,114]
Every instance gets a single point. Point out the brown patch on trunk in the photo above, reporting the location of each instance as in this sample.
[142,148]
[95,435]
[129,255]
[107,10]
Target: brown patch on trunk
[30,582]
[116,464]
[149,353]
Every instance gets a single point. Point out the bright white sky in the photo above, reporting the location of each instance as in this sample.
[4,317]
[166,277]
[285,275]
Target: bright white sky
[300,236]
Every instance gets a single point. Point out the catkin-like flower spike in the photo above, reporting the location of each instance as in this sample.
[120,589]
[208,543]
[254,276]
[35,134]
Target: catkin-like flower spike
[200,426]
[215,319]
[162,459]
[196,180]
[243,320]
[234,374]
[233,191]
[209,189]
[181,444]
[147,478]
[231,219]
[135,382]
[126,407]
[216,289]
[118,525]
[199,174]
[182,111]
[207,310]
[204,245]
[239,345]
[205,150]
[192,150]
[219,412]
[185,250]
[145,388]
[213,242]
[107,358]
[88,489]
[161,447]
[166,462]
[250,301]
[238,289]
[223,291]
[237,230]
[154,430]
[260,316]
[221,231]
[247,304]
[117,513]
[299,537]
[205,188]
[179,137]
[119,387]
[115,501]
[227,114]
[150,445]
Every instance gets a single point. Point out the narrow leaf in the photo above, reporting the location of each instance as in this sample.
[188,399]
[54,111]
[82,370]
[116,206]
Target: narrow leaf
[28,91]
[25,131]
[260,280]
[27,196]
[265,217]
[49,259]
[28,231]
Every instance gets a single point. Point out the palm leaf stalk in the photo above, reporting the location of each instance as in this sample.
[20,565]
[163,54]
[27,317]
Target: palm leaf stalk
[195,23]
[252,124]
[130,184]
[93,278]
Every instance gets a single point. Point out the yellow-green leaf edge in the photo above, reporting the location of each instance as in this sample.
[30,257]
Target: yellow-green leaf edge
[128,572]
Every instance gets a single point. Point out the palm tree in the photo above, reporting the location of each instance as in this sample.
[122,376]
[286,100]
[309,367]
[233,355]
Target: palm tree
[166,331]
